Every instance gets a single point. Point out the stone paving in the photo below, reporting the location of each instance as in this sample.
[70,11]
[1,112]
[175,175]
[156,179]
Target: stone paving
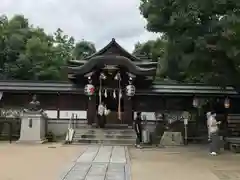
[183,163]
[100,163]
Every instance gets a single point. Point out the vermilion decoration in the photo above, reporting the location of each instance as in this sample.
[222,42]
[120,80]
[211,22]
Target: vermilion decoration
[89,89]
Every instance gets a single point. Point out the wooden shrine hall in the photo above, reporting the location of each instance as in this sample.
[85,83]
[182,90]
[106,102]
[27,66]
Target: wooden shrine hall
[113,74]
[124,83]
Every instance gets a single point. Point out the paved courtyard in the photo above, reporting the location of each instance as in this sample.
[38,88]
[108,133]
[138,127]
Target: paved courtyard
[35,162]
[183,163]
[100,163]
[57,162]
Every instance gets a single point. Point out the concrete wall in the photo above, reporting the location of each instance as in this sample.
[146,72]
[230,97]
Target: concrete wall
[58,129]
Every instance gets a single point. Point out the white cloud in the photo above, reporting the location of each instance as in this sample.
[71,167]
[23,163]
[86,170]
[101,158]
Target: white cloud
[96,20]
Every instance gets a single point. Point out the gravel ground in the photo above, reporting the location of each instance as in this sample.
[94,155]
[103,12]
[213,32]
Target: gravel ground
[183,164]
[35,162]
[49,161]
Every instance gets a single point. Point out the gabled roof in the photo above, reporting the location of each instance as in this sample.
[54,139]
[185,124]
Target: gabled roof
[112,54]
[114,44]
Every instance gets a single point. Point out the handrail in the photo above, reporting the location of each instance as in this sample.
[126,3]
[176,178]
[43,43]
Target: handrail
[70,131]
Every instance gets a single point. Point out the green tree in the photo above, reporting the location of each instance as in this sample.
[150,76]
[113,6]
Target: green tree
[14,34]
[28,53]
[64,45]
[198,32]
[83,49]
[153,49]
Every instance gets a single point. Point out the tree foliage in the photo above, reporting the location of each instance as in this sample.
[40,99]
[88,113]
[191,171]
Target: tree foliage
[155,51]
[203,38]
[28,53]
[83,49]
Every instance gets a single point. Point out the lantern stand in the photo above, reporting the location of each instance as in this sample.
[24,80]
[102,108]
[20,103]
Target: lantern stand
[225,126]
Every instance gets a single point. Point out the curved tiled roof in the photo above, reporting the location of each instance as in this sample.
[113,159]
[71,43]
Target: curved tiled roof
[113,53]
[112,60]
[67,87]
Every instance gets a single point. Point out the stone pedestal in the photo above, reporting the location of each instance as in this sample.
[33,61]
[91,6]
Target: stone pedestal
[171,139]
[33,128]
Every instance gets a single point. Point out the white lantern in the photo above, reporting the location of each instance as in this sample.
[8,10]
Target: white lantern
[130,90]
[89,89]
[226,103]
[195,102]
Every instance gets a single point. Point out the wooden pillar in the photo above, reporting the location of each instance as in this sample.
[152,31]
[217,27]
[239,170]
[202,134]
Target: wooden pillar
[58,106]
[225,129]
[91,110]
[128,110]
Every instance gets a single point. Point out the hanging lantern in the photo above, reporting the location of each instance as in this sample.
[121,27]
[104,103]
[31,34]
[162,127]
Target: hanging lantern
[226,103]
[195,102]
[130,90]
[89,89]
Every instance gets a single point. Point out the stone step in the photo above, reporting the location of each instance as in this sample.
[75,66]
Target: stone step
[106,133]
[108,129]
[107,126]
[103,131]
[104,136]
[104,141]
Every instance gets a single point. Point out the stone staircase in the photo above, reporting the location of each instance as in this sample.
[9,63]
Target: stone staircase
[108,136]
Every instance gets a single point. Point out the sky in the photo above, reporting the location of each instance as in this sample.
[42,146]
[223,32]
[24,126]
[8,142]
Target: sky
[97,21]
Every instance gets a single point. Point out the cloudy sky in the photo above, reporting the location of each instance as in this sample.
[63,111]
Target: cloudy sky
[95,20]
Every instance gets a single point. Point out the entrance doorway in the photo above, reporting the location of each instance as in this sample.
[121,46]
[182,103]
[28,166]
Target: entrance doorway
[110,98]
